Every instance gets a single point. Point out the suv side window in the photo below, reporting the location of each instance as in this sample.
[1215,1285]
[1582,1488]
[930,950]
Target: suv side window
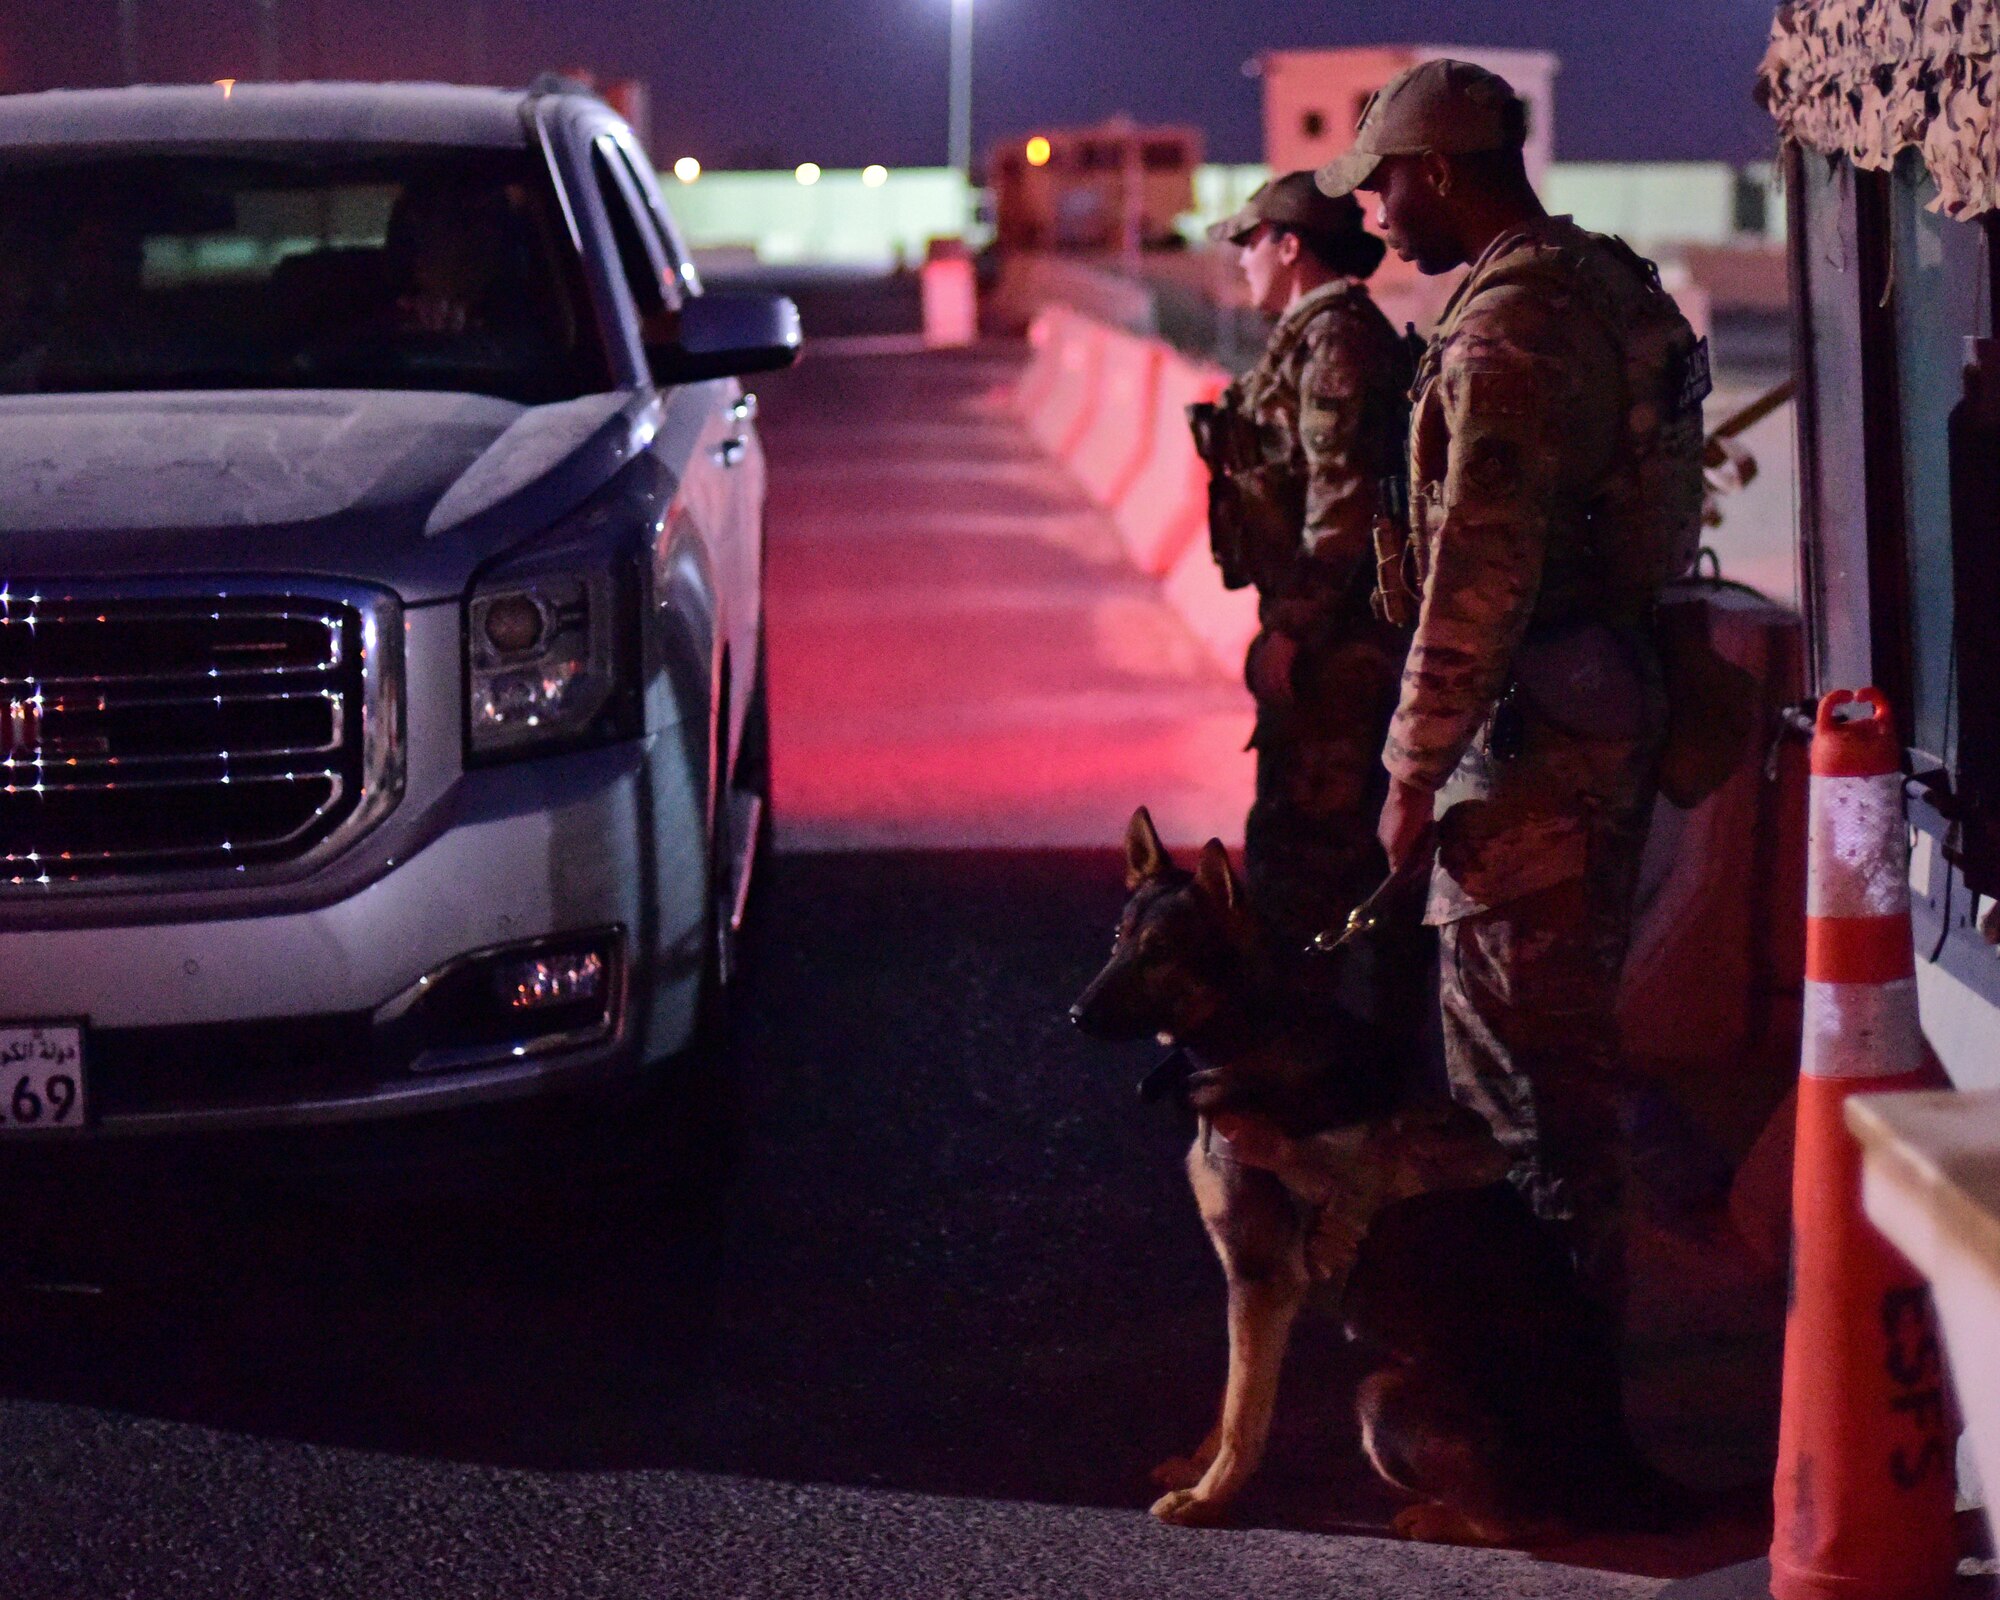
[654,292]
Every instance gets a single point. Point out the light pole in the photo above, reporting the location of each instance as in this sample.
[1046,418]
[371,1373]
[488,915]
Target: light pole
[267,40]
[475,41]
[128,40]
[961,87]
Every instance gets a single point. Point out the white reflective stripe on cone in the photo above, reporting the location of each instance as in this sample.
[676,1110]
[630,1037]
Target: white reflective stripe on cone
[1857,848]
[1861,1030]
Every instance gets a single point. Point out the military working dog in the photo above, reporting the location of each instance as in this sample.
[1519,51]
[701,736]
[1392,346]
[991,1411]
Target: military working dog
[1495,1395]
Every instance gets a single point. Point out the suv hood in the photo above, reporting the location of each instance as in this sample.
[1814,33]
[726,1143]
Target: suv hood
[408,490]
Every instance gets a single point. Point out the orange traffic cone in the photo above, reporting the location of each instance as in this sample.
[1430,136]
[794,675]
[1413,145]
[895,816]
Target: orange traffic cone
[1864,1493]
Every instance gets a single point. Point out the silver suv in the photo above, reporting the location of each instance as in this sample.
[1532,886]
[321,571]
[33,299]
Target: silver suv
[381,713]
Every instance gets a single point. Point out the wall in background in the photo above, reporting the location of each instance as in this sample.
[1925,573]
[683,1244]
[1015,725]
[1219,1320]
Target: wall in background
[841,219]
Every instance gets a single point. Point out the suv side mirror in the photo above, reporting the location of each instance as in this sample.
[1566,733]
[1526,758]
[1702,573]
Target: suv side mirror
[727,336]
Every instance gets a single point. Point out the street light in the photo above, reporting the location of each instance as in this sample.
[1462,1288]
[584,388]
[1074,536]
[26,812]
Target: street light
[475,41]
[128,40]
[267,40]
[961,87]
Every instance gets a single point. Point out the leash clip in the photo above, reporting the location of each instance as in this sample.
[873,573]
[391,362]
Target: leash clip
[1363,919]
[1373,912]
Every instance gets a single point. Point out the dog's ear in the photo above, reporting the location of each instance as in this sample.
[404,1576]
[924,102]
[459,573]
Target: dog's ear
[1145,856]
[1212,875]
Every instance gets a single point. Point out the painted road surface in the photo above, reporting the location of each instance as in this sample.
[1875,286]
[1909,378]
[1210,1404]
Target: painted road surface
[959,654]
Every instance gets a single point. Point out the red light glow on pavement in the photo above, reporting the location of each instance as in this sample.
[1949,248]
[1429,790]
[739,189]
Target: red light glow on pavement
[959,655]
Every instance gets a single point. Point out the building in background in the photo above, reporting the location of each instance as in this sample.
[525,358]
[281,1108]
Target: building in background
[1115,187]
[860,219]
[1313,99]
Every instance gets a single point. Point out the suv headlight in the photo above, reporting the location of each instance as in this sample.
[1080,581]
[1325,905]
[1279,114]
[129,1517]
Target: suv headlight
[549,656]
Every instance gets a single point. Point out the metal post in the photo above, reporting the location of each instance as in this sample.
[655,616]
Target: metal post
[128,40]
[267,40]
[475,41]
[961,87]
[1132,225]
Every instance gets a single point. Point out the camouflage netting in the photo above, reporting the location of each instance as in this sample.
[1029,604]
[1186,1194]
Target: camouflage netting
[1869,79]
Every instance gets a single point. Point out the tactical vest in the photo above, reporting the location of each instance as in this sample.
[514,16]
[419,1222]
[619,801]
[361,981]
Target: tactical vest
[1257,489]
[1642,526]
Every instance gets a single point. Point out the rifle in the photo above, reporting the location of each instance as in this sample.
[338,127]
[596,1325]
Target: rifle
[1256,507]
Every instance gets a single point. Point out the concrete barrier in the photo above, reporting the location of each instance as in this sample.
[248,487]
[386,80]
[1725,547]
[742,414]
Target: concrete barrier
[1066,410]
[1044,362]
[1113,407]
[950,302]
[1164,509]
[1224,620]
[1114,442]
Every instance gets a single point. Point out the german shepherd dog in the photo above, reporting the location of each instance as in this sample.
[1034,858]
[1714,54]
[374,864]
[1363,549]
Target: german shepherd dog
[1495,1395]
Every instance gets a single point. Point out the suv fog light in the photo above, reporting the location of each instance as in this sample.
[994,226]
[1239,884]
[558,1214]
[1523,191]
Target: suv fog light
[552,980]
[509,1001]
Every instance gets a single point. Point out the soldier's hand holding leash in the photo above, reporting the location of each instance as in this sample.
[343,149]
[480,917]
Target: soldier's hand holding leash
[1405,879]
[1406,824]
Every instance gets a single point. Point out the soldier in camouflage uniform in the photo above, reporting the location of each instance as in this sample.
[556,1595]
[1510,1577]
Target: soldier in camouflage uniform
[1300,446]
[1555,475]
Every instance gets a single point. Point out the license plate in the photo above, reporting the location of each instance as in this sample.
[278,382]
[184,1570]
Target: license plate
[41,1077]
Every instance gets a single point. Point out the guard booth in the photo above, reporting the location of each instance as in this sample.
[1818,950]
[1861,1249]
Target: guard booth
[1888,113]
[1313,99]
[1114,187]
[1893,193]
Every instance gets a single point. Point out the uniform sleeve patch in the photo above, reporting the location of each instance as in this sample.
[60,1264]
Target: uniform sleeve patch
[1496,391]
[1491,467]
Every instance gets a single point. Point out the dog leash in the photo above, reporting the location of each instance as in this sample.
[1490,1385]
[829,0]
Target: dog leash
[1376,910]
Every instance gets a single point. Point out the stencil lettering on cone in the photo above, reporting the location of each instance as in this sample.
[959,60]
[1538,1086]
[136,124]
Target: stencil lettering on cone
[1915,1366]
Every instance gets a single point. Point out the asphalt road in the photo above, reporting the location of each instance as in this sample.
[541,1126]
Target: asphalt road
[918,1327]
[900,1294]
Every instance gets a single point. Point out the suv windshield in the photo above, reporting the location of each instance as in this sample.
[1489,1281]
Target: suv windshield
[334,268]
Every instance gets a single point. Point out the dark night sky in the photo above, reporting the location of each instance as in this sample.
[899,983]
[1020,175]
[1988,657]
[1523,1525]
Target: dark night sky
[843,82]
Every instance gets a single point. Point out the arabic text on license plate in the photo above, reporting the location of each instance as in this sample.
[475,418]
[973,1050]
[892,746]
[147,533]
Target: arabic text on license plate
[41,1077]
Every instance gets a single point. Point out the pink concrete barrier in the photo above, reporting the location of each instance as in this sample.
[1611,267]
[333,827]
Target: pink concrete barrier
[1164,508]
[950,296]
[1044,361]
[1114,443]
[1114,408]
[1070,404]
[1224,620]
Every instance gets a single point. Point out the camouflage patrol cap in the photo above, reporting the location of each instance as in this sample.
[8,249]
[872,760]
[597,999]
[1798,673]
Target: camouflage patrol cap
[1450,107]
[1293,201]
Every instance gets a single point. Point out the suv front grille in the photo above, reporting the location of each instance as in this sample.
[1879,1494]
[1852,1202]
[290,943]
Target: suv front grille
[181,735]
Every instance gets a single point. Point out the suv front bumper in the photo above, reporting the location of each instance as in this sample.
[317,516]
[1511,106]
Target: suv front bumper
[382,1002]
